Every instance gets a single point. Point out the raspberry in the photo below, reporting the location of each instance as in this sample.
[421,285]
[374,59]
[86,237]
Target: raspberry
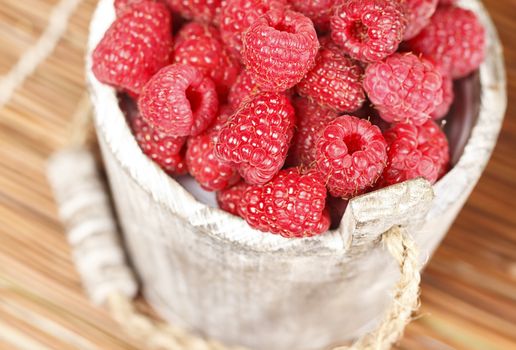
[244,87]
[319,11]
[230,199]
[210,172]
[454,39]
[418,13]
[201,47]
[404,88]
[351,154]
[448,96]
[167,151]
[279,49]
[257,137]
[237,15]
[310,119]
[123,5]
[292,204]
[334,82]
[179,101]
[135,47]
[368,30]
[415,151]
[200,10]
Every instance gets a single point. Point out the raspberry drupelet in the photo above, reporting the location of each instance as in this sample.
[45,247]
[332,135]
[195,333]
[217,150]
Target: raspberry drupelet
[415,151]
[199,10]
[455,39]
[368,30]
[351,154]
[244,87]
[200,46]
[179,101]
[448,96]
[123,5]
[167,151]
[230,199]
[211,173]
[292,204]
[404,88]
[310,119]
[237,15]
[418,13]
[279,49]
[135,47]
[335,81]
[257,136]
[319,11]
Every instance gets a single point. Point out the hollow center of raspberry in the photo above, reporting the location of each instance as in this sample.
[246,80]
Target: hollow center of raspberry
[194,97]
[354,143]
[358,31]
[285,27]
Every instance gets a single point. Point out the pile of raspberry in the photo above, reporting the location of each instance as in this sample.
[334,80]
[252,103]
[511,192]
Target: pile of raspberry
[288,108]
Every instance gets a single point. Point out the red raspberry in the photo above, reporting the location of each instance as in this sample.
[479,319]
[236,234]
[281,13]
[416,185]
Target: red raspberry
[237,15]
[454,39]
[418,13]
[135,47]
[257,137]
[404,88]
[448,96]
[201,47]
[310,119]
[166,151]
[368,30]
[279,49]
[210,172]
[415,151]
[319,11]
[334,82]
[230,199]
[351,155]
[200,10]
[179,101]
[123,5]
[244,87]
[292,204]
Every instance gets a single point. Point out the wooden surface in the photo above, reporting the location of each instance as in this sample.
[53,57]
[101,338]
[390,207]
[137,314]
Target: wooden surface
[469,288]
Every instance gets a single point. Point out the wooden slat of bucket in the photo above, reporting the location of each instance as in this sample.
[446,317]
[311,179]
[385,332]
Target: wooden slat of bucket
[468,288]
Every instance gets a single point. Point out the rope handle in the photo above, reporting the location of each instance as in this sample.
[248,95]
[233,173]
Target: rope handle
[162,336]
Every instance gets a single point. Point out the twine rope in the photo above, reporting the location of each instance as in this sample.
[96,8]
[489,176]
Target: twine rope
[162,336]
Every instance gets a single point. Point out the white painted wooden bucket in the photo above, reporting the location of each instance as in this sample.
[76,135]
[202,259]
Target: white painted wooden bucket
[209,271]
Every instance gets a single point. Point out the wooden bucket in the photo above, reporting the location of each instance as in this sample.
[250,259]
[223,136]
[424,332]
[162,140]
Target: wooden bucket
[208,271]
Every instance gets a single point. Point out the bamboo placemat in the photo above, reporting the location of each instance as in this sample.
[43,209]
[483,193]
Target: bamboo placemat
[469,288]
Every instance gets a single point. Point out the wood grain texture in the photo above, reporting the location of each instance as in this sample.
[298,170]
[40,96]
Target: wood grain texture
[469,287]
